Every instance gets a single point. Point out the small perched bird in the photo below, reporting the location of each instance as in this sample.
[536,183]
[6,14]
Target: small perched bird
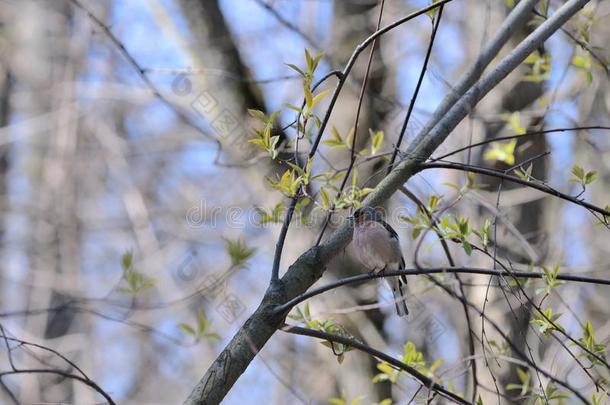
[378,249]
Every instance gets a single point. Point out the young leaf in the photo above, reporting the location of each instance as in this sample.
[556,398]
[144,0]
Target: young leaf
[336,140]
[188,329]
[502,151]
[296,68]
[318,97]
[376,141]
[238,251]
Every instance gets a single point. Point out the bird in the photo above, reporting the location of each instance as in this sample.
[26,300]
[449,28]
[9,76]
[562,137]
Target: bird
[378,248]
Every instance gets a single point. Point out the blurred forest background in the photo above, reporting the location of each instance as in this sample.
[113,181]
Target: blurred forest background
[138,227]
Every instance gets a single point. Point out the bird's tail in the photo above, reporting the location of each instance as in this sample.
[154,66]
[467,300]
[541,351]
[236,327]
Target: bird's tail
[399,287]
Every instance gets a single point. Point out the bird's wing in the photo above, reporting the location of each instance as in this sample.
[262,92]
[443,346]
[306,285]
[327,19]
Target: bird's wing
[389,228]
[402,279]
[394,235]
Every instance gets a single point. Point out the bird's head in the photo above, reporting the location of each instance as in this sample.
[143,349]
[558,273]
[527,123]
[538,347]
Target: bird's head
[364,214]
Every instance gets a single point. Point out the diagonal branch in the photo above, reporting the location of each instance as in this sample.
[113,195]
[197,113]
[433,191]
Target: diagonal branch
[420,80]
[521,136]
[499,174]
[427,382]
[517,18]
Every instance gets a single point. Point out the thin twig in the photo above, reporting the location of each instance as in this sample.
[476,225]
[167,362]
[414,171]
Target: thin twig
[420,79]
[355,127]
[496,173]
[525,135]
[449,270]
[429,383]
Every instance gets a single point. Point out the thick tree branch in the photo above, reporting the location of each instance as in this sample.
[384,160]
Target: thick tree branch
[515,20]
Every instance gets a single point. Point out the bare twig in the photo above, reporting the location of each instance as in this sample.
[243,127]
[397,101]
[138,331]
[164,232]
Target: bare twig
[420,79]
[499,174]
[427,271]
[427,382]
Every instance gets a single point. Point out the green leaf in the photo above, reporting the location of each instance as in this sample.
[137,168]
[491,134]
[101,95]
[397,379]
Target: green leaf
[308,94]
[540,67]
[127,260]
[325,199]
[514,121]
[416,232]
[581,62]
[318,98]
[296,68]
[579,175]
[212,336]
[350,138]
[502,151]
[578,172]
[136,281]
[336,140]
[550,280]
[188,329]
[524,379]
[238,251]
[292,107]
[524,174]
[258,142]
[388,373]
[588,342]
[434,11]
[590,177]
[288,184]
[547,322]
[377,141]
[467,248]
[596,399]
[308,60]
[259,115]
[433,201]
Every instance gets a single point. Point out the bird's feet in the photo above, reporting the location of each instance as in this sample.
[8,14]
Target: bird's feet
[377,270]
